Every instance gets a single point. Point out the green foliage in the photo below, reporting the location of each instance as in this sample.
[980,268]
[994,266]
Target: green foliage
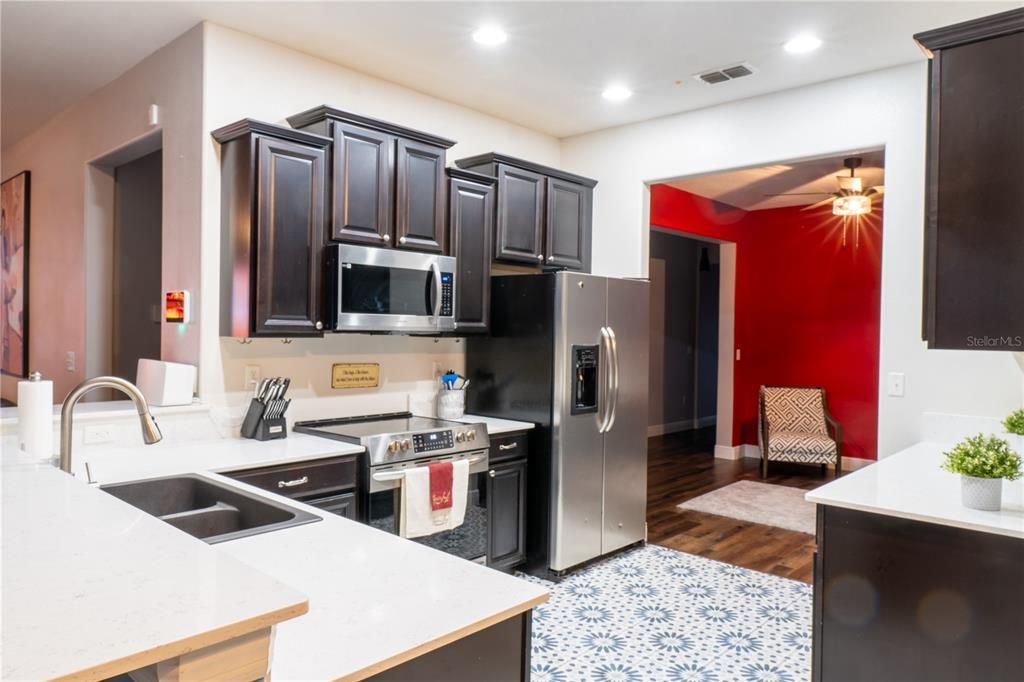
[1014,422]
[983,456]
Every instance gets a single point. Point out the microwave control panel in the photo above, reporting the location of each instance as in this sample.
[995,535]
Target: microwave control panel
[447,284]
[435,440]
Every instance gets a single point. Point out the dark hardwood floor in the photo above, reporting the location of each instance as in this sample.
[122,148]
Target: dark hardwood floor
[681,466]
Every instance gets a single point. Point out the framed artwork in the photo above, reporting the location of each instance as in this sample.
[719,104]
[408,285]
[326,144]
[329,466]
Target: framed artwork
[14,196]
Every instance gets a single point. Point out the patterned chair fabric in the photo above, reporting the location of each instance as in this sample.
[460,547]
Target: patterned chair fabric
[793,427]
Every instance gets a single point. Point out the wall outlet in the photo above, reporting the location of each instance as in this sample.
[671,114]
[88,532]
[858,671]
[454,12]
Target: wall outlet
[95,435]
[252,376]
[896,384]
[69,361]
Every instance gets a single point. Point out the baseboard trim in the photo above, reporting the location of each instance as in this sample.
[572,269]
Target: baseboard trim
[728,452]
[854,463]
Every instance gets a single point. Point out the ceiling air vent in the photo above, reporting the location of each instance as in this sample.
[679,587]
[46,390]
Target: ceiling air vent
[727,74]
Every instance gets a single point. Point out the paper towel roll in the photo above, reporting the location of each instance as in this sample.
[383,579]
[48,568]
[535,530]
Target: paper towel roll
[35,416]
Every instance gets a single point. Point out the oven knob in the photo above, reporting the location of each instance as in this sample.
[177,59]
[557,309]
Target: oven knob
[406,444]
[459,437]
[393,446]
[471,435]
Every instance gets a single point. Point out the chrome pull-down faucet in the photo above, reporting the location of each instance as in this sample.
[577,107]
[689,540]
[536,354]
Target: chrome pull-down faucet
[150,431]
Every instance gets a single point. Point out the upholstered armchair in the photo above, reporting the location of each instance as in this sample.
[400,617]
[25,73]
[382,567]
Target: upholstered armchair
[794,425]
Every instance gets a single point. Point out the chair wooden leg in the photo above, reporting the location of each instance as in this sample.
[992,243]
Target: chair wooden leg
[824,469]
[764,467]
[839,466]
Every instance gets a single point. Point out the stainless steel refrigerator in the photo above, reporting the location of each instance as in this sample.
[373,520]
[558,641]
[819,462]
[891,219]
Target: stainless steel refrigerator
[569,352]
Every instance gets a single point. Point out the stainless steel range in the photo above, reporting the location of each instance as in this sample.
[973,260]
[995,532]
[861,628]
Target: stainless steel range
[399,440]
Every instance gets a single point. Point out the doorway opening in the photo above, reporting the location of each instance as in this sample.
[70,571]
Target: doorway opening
[684,275]
[124,235]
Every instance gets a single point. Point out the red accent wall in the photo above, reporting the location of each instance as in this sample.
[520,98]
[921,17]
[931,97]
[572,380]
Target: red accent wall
[807,308]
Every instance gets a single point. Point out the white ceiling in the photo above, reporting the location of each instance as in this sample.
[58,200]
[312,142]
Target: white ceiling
[756,188]
[548,76]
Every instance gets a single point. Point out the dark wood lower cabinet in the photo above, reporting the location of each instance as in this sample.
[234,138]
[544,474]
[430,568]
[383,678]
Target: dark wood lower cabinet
[500,653]
[896,599]
[506,510]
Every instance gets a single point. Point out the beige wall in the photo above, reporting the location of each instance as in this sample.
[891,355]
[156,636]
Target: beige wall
[249,77]
[58,155]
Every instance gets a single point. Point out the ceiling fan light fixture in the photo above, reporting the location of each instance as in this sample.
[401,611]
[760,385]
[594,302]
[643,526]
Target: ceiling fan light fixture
[853,205]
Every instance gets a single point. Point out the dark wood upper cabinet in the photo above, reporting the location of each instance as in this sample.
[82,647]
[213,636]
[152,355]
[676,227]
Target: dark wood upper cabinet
[974,219]
[471,226]
[569,225]
[273,198]
[420,182]
[520,217]
[389,184]
[544,215]
[362,188]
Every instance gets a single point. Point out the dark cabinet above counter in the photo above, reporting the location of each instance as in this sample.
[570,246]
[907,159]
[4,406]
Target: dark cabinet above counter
[273,186]
[974,219]
[388,181]
[544,216]
[471,230]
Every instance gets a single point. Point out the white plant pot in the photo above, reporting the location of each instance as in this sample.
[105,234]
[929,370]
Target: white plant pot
[985,494]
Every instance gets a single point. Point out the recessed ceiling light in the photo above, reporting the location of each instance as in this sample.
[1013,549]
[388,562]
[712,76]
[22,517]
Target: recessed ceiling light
[617,93]
[802,44]
[490,35]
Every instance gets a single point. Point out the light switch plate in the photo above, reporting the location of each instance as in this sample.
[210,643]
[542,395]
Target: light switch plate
[896,384]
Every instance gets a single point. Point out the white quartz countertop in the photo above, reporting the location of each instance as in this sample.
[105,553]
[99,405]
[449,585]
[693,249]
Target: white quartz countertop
[229,454]
[375,600]
[495,425]
[910,484]
[94,587]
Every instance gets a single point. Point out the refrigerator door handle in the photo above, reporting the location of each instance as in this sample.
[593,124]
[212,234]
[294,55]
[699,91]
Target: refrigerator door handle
[614,390]
[605,401]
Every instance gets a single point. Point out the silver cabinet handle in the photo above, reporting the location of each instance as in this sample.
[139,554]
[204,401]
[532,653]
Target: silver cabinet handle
[402,240]
[319,324]
[291,484]
[510,446]
[551,258]
[386,237]
[540,256]
[492,473]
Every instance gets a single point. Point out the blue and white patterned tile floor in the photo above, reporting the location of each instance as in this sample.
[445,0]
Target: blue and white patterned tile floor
[656,614]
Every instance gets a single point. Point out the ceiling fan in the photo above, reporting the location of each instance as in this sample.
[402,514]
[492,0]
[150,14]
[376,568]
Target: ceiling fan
[851,199]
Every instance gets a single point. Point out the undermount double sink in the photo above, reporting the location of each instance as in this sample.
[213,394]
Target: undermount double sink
[207,509]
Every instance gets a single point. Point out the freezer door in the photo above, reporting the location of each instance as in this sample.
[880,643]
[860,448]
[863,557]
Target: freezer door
[625,441]
[577,453]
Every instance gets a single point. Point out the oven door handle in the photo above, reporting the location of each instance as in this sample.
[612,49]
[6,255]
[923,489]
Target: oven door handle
[385,476]
[437,290]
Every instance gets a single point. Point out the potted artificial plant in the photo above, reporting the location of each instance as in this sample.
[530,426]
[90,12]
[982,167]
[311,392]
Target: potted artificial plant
[1014,425]
[983,462]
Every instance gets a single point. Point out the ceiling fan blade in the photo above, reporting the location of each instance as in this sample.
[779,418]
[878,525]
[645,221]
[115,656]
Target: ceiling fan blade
[797,194]
[852,184]
[819,204]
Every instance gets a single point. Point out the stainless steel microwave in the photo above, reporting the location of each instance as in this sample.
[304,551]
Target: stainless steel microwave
[388,290]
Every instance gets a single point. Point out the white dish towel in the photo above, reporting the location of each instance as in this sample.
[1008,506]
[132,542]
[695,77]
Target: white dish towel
[417,518]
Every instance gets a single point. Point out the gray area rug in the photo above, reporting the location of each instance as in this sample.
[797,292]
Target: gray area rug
[771,505]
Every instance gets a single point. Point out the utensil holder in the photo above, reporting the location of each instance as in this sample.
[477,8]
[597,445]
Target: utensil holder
[258,427]
[451,403]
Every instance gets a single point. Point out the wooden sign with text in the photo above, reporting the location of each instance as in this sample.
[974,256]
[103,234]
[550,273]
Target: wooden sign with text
[355,375]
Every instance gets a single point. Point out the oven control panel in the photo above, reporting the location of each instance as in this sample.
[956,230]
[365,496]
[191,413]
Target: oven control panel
[435,440]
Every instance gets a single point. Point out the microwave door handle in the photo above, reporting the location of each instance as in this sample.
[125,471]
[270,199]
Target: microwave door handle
[437,290]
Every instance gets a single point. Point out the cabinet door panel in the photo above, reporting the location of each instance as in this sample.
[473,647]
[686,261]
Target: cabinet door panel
[520,215]
[471,214]
[568,225]
[506,508]
[419,213]
[974,289]
[289,238]
[363,185]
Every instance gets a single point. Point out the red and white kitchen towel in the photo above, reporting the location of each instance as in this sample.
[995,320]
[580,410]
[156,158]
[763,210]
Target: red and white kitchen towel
[434,498]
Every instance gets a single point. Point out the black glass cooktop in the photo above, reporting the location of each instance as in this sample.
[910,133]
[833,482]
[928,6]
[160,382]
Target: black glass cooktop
[357,428]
